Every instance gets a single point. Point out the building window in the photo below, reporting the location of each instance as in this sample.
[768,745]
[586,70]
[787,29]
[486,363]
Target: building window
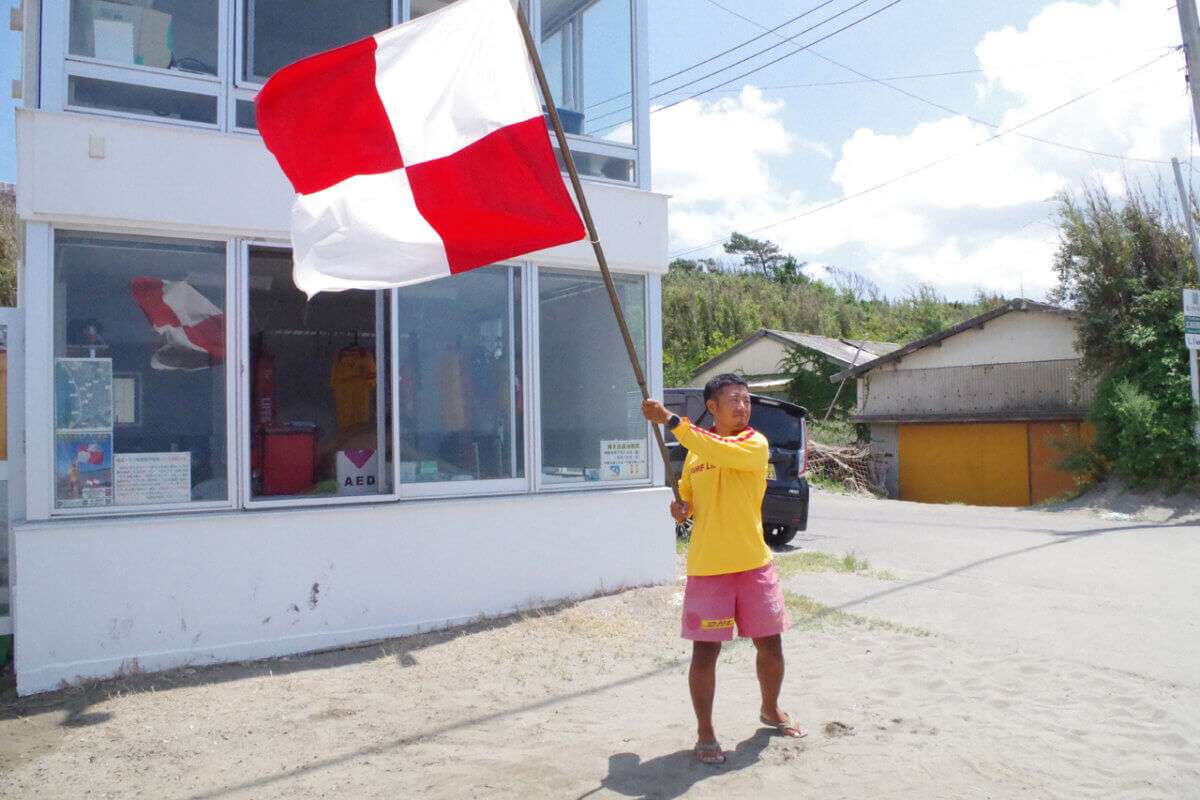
[149,101]
[587,50]
[140,371]
[319,420]
[461,400]
[150,58]
[591,422]
[278,32]
[167,34]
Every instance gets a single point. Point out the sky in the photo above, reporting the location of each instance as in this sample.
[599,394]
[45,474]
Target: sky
[765,157]
[758,154]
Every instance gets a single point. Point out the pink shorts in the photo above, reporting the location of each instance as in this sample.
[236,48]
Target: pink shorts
[753,600]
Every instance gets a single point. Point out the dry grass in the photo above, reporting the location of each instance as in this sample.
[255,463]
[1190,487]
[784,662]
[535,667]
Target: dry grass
[809,613]
[810,561]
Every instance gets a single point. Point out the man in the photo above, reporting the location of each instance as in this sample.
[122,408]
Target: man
[731,578]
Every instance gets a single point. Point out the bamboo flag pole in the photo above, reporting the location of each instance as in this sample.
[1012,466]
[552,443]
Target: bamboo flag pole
[577,186]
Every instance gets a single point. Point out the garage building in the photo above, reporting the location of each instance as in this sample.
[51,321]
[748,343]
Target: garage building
[981,412]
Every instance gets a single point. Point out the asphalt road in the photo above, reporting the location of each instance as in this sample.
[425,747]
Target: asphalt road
[1117,594]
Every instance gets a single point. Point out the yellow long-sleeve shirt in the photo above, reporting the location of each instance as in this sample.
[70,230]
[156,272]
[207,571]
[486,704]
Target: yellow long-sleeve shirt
[724,479]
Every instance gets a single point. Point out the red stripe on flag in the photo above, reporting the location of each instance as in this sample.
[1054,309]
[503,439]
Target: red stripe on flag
[497,198]
[148,293]
[323,120]
[209,336]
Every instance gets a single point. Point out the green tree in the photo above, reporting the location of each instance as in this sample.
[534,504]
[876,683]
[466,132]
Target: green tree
[1122,266]
[759,255]
[8,249]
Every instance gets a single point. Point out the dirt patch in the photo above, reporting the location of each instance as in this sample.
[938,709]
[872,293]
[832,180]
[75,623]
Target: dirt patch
[1114,502]
[835,729]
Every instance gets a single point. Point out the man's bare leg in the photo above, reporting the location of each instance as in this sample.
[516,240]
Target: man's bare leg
[770,681]
[702,680]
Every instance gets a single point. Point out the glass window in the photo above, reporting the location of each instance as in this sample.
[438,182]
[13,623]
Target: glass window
[587,50]
[461,401]
[422,7]
[139,371]
[592,425]
[245,115]
[278,32]
[598,166]
[170,34]
[319,371]
[151,101]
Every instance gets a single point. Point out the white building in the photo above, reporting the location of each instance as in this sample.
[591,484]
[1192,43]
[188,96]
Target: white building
[292,476]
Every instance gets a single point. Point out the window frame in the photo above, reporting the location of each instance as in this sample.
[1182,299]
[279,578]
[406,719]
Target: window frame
[38,294]
[232,332]
[57,34]
[238,79]
[245,490]
[491,486]
[583,143]
[227,87]
[540,485]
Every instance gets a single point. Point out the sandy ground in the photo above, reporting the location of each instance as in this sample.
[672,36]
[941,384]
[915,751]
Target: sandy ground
[1006,654]
[1115,502]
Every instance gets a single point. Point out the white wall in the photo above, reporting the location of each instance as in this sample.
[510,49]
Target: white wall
[1015,337]
[194,181]
[94,598]
[760,358]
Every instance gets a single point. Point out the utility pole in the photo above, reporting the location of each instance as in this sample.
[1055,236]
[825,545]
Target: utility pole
[1185,202]
[1189,27]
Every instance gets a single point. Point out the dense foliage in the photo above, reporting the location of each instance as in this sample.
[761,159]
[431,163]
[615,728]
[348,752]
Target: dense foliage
[1122,266]
[8,249]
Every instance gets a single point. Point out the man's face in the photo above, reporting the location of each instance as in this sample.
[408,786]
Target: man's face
[730,408]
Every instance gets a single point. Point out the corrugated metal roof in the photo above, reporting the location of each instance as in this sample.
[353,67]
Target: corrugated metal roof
[849,352]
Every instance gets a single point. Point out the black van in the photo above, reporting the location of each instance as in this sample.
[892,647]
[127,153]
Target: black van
[785,506]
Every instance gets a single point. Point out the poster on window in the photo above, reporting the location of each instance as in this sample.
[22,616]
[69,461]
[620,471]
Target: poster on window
[83,394]
[357,472]
[143,479]
[622,459]
[83,470]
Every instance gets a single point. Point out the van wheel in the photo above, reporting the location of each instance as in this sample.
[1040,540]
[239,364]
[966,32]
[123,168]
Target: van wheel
[778,535]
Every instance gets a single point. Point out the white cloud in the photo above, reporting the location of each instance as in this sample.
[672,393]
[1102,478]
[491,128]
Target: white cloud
[978,220]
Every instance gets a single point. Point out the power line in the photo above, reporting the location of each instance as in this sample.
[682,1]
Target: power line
[765,50]
[946,74]
[937,162]
[726,52]
[761,66]
[943,107]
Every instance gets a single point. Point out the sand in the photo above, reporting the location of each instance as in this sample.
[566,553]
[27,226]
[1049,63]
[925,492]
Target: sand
[909,691]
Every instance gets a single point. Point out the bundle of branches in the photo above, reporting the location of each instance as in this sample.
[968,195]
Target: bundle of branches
[847,466]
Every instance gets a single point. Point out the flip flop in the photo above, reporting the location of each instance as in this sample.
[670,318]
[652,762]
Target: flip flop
[710,753]
[786,728]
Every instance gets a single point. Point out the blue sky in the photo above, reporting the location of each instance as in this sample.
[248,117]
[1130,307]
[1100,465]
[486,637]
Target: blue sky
[985,219]
[751,156]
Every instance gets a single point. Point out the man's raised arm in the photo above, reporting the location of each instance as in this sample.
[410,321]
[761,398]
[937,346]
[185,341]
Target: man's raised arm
[743,451]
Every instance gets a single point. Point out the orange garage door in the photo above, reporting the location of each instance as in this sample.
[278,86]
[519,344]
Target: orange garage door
[984,464]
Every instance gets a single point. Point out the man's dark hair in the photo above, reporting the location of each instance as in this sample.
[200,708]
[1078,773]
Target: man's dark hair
[719,382]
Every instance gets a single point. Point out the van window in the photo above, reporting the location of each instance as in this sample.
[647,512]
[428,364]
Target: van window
[783,427]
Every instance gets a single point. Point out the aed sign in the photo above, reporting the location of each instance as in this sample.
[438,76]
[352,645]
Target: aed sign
[1191,318]
[357,472]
